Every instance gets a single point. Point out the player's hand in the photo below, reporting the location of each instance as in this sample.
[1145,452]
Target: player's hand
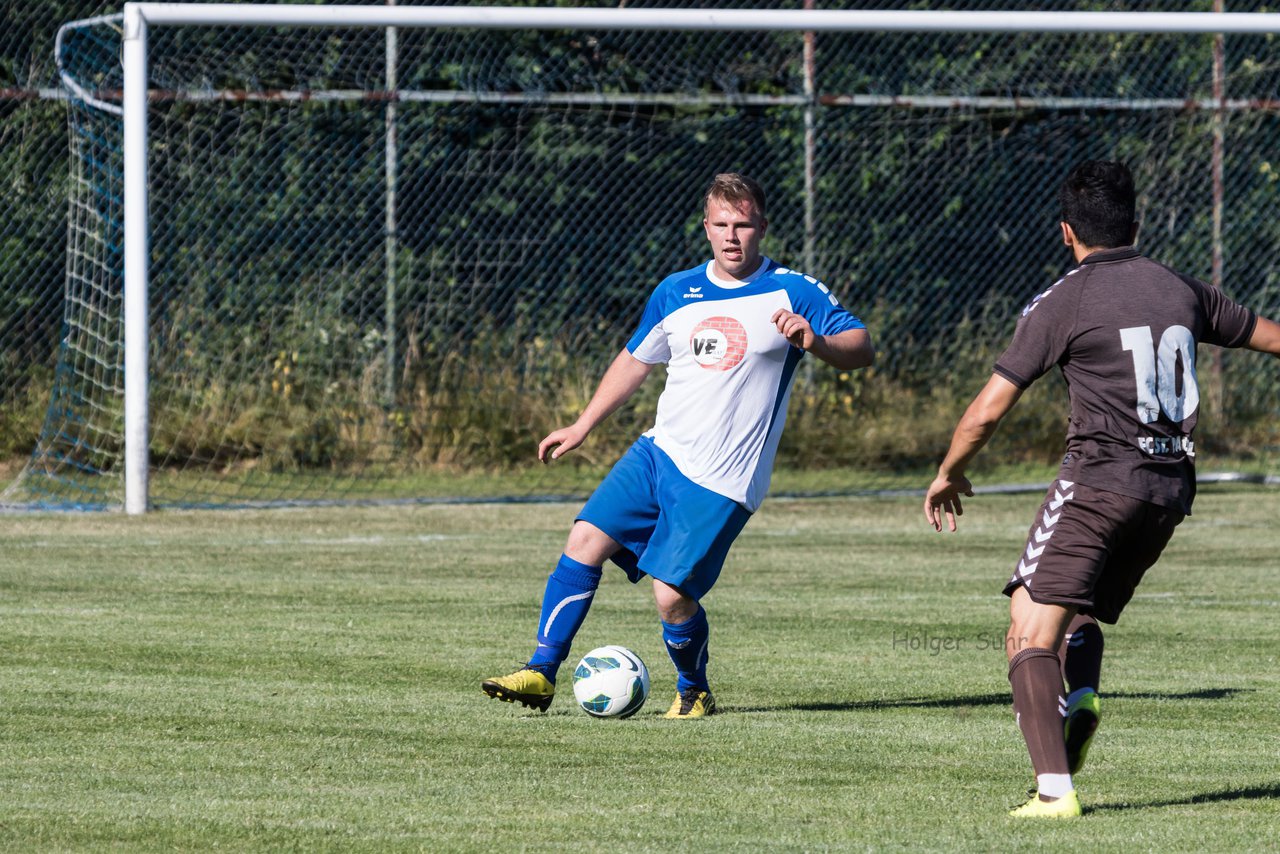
[563,440]
[943,499]
[794,328]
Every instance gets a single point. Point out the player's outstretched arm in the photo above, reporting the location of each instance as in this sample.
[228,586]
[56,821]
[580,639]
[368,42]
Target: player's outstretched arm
[976,427]
[1265,337]
[845,350]
[624,376]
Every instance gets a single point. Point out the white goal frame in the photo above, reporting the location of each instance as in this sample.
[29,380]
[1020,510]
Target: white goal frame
[139,17]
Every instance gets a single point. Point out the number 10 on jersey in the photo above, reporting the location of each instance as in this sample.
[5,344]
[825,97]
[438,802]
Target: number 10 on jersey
[1166,377]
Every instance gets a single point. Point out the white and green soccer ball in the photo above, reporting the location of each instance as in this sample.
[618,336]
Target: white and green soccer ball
[611,682]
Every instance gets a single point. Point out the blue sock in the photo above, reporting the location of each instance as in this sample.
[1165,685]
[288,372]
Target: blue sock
[687,646]
[570,588]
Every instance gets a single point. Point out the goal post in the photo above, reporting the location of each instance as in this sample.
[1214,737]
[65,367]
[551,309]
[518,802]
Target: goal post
[137,242]
[583,92]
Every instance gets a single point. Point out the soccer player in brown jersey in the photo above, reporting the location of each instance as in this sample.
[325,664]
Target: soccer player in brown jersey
[1123,330]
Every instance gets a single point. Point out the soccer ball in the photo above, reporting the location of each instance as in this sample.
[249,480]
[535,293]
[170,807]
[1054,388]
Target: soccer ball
[611,682]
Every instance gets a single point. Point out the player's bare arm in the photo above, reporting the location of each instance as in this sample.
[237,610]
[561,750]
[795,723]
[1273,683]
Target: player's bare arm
[976,427]
[1265,337]
[625,375]
[846,350]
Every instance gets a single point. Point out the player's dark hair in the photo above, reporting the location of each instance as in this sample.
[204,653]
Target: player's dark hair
[1098,202]
[735,189]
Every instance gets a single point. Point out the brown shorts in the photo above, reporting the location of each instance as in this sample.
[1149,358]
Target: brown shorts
[1090,548]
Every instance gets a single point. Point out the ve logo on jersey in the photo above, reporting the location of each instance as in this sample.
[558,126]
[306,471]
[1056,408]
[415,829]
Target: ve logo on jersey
[718,343]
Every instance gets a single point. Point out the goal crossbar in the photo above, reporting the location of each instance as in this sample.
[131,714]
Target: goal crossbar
[521,17]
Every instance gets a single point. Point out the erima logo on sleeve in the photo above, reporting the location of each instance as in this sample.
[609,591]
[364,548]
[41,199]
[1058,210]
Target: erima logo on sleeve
[718,343]
[694,293]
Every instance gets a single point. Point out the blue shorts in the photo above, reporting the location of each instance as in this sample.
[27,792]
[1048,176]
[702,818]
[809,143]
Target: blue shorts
[669,527]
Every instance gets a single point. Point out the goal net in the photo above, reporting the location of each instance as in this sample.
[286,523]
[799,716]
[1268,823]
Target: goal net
[385,261]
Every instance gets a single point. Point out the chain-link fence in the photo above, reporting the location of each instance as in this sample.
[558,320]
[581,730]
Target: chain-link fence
[384,264]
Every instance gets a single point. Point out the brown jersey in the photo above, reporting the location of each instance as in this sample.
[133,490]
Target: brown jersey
[1124,331]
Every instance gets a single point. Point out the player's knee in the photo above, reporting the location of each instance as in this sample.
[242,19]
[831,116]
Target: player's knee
[588,544]
[1038,627]
[674,607]
[677,613]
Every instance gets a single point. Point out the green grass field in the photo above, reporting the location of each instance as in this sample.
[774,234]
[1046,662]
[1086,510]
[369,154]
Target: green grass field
[308,679]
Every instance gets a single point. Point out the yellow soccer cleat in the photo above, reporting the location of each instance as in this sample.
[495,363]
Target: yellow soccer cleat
[527,687]
[1081,723]
[692,703]
[1067,806]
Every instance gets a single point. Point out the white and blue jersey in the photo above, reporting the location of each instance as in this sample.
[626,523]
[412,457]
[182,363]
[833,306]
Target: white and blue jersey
[729,370]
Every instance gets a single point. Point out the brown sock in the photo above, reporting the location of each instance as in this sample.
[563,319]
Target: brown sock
[1081,653]
[1036,678]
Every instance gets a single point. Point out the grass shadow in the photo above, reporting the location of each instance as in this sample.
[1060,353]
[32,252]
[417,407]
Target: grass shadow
[1205,694]
[903,703]
[1249,793]
[1001,699]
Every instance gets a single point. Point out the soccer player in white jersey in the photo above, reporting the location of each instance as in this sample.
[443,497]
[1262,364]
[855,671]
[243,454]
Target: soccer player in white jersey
[731,332]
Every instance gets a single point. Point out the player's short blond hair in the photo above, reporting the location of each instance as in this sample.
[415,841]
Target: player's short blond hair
[734,188]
